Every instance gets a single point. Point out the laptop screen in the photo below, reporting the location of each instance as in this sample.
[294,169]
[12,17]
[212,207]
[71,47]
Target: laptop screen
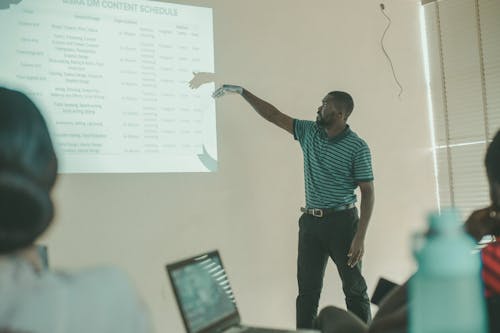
[203,292]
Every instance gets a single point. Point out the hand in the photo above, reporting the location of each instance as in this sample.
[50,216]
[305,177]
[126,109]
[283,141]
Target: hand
[200,78]
[356,251]
[227,88]
[483,222]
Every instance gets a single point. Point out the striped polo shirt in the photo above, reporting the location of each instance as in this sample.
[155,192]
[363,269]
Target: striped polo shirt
[333,167]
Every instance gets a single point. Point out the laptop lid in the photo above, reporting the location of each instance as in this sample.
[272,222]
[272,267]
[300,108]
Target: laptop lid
[203,293]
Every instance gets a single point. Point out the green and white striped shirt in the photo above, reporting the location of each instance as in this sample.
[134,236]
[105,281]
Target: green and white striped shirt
[333,167]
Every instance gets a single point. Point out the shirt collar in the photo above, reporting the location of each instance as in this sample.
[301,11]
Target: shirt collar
[338,137]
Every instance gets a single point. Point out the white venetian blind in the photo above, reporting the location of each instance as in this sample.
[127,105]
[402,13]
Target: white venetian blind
[463,43]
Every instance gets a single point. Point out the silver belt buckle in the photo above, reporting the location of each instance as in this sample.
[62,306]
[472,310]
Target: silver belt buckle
[317,212]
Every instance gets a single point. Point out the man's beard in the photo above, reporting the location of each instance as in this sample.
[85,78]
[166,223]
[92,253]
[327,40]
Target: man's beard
[322,122]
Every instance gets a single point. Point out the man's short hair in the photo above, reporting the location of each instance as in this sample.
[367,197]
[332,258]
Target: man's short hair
[342,101]
[492,160]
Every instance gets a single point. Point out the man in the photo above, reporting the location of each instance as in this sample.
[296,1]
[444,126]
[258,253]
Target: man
[336,162]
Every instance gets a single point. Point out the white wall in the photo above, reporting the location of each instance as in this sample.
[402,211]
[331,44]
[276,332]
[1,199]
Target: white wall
[290,53]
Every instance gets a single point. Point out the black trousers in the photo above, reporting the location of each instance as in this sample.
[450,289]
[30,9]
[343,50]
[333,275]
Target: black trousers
[319,239]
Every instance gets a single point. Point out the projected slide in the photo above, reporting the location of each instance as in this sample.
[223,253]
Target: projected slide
[112,80]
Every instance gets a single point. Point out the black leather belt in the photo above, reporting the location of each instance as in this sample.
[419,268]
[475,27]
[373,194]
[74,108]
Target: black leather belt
[320,212]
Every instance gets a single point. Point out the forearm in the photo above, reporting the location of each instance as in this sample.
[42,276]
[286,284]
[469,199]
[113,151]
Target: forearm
[367,203]
[263,108]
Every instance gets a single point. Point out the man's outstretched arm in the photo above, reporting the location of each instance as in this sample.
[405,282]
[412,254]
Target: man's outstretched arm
[265,109]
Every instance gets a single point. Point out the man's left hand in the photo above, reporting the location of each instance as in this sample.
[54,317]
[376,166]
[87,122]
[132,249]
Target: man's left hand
[356,251]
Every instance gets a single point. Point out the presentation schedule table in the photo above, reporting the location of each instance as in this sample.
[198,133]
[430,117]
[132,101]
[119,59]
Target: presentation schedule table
[112,80]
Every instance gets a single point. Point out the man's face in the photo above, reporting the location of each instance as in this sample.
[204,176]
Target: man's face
[327,114]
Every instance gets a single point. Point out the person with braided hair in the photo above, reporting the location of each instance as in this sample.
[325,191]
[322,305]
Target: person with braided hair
[42,301]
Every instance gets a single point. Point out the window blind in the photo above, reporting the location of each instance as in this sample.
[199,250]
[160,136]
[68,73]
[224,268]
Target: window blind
[463,55]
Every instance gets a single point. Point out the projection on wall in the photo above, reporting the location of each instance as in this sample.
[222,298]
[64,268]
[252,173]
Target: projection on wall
[112,79]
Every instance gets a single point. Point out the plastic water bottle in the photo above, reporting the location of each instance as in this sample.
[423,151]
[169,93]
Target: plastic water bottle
[446,292]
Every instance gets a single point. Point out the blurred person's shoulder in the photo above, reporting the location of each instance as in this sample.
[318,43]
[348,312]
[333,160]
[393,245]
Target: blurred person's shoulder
[99,299]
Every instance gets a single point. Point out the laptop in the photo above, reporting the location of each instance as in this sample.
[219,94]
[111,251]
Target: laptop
[205,298]
[383,288]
